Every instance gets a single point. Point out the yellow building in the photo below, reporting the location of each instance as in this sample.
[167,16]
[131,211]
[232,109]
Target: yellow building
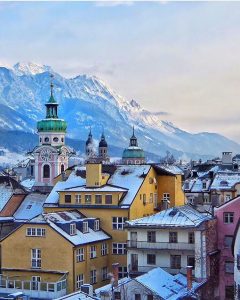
[54,251]
[115,194]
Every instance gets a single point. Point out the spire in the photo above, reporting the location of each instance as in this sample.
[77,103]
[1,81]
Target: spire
[51,85]
[133,140]
[90,139]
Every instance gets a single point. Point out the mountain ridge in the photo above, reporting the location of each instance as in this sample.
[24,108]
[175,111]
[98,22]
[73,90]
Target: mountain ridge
[88,101]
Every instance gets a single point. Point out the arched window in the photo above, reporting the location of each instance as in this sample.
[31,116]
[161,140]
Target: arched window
[62,168]
[46,171]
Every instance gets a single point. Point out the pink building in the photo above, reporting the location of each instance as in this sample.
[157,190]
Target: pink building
[227,216]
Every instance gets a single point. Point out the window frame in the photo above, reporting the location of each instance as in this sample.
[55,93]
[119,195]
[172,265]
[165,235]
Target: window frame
[107,196]
[93,276]
[80,255]
[36,258]
[78,198]
[228,217]
[118,223]
[88,196]
[150,260]
[67,198]
[104,249]
[119,248]
[93,251]
[85,227]
[79,281]
[151,236]
[173,237]
[175,262]
[98,202]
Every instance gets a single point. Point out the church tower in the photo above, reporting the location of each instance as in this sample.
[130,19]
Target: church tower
[89,150]
[51,155]
[133,154]
[103,148]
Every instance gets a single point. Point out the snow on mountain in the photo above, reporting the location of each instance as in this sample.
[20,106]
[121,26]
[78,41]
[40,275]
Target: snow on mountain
[87,101]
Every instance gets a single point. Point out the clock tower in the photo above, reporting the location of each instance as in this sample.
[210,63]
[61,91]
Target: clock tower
[51,155]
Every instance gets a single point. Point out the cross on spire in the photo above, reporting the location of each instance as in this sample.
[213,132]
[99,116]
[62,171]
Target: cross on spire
[51,84]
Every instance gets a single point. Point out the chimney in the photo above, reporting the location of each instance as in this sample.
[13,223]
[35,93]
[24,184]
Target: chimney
[189,277]
[115,274]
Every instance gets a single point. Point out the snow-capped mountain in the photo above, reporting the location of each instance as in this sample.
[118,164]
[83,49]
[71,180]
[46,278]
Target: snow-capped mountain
[87,101]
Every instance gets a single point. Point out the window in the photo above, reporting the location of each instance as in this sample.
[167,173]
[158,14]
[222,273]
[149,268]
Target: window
[191,261]
[85,227]
[118,222]
[35,232]
[137,296]
[93,276]
[35,282]
[227,198]
[62,168]
[149,297]
[238,261]
[144,199]
[80,254]
[104,249]
[29,206]
[206,199]
[72,229]
[229,292]
[191,238]
[108,199]
[228,241]
[122,272]
[117,295]
[55,139]
[173,238]
[119,248]
[151,236]
[96,225]
[98,199]
[166,197]
[204,185]
[175,261]
[155,200]
[88,199]
[229,267]
[79,281]
[228,217]
[68,198]
[46,140]
[104,273]
[78,198]
[46,171]
[151,259]
[36,258]
[93,251]
[151,198]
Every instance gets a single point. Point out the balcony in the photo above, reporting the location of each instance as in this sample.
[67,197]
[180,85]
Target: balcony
[139,270]
[159,245]
[33,289]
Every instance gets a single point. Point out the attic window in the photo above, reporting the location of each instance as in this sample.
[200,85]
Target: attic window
[96,225]
[29,206]
[85,227]
[124,172]
[187,185]
[224,183]
[204,184]
[72,229]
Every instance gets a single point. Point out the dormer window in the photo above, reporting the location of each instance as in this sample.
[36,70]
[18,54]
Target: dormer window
[187,185]
[72,229]
[96,225]
[85,227]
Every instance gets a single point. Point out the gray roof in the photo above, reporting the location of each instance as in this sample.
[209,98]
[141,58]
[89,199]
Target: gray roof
[179,216]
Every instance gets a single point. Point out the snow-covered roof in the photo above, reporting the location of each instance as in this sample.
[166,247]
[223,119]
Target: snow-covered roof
[129,177]
[108,287]
[6,193]
[165,285]
[72,181]
[225,181]
[126,178]
[28,183]
[31,206]
[78,296]
[104,188]
[58,220]
[179,216]
[171,169]
[197,185]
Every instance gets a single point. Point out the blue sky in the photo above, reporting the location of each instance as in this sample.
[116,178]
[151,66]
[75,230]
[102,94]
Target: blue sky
[178,57]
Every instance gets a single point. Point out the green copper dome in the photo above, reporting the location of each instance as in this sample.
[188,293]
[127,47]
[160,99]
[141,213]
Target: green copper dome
[56,125]
[134,152]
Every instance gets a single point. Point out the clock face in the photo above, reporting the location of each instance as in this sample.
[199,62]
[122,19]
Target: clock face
[45,154]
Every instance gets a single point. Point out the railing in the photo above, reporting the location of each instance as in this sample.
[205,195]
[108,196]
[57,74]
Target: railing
[160,245]
[34,289]
[136,270]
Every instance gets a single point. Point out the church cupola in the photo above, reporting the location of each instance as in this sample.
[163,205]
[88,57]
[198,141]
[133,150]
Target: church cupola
[103,147]
[89,145]
[51,106]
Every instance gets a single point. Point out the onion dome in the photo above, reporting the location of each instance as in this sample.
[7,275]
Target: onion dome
[90,138]
[103,142]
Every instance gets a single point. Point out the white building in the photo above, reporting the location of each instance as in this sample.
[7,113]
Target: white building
[154,285]
[172,239]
